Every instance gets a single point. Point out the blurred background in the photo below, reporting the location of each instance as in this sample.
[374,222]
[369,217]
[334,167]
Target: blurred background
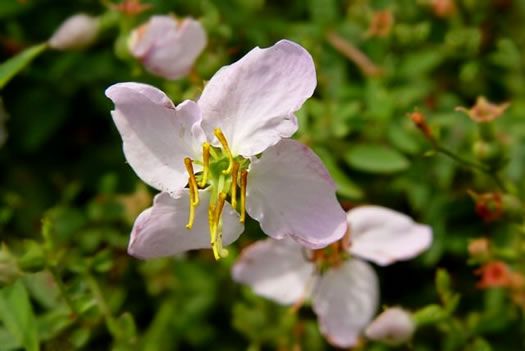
[68,199]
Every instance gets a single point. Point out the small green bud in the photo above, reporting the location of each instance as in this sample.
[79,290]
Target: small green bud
[9,271]
[488,152]
[443,283]
[430,314]
[512,207]
[33,259]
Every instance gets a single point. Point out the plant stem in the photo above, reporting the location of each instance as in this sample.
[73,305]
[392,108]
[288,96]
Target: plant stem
[111,322]
[460,159]
[481,167]
[62,290]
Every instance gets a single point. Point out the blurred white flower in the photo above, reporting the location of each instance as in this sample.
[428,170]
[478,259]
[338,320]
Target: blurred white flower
[344,292]
[76,32]
[168,47]
[392,327]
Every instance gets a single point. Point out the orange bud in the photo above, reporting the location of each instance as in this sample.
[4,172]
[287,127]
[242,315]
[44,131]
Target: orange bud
[479,247]
[493,274]
[443,8]
[381,24]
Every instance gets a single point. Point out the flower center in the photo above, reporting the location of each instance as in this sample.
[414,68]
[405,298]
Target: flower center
[223,174]
[332,255]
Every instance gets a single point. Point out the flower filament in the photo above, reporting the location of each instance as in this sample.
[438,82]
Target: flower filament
[221,174]
[332,255]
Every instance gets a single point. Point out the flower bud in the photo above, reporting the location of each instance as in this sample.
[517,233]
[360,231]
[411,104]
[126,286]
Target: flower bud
[484,111]
[443,8]
[76,32]
[479,247]
[488,152]
[168,47]
[9,271]
[381,24]
[493,274]
[392,327]
[33,259]
[489,206]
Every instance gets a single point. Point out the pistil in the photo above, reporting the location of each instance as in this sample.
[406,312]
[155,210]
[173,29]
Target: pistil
[214,218]
[244,182]
[235,173]
[222,139]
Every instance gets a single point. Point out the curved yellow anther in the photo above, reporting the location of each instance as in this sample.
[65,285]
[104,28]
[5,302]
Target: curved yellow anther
[244,182]
[235,173]
[192,182]
[226,148]
[205,164]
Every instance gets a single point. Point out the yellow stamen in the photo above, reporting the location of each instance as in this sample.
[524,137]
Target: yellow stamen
[211,223]
[244,181]
[214,219]
[217,228]
[234,185]
[206,164]
[226,148]
[192,211]
[194,190]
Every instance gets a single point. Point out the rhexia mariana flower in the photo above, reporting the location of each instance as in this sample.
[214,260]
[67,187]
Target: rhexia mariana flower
[231,149]
[344,290]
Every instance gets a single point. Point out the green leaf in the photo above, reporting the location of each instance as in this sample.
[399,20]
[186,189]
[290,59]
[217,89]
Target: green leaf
[376,159]
[479,344]
[345,186]
[15,64]
[430,314]
[18,317]
[403,140]
[7,341]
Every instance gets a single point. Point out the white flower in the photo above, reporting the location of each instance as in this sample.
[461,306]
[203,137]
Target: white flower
[211,145]
[76,32]
[345,294]
[392,327]
[168,47]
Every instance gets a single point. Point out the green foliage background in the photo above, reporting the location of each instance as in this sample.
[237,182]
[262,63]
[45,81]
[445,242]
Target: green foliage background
[63,162]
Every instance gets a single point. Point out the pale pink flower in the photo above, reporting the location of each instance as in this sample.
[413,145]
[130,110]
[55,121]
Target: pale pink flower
[394,326]
[168,47]
[76,32]
[246,109]
[345,295]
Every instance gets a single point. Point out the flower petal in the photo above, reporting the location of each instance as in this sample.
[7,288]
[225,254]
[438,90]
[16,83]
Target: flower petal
[161,230]
[168,47]
[253,100]
[393,327]
[384,236]
[290,192]
[275,269]
[157,136]
[345,300]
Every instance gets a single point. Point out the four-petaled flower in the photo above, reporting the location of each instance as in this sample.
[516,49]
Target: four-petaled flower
[168,47]
[213,146]
[344,290]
